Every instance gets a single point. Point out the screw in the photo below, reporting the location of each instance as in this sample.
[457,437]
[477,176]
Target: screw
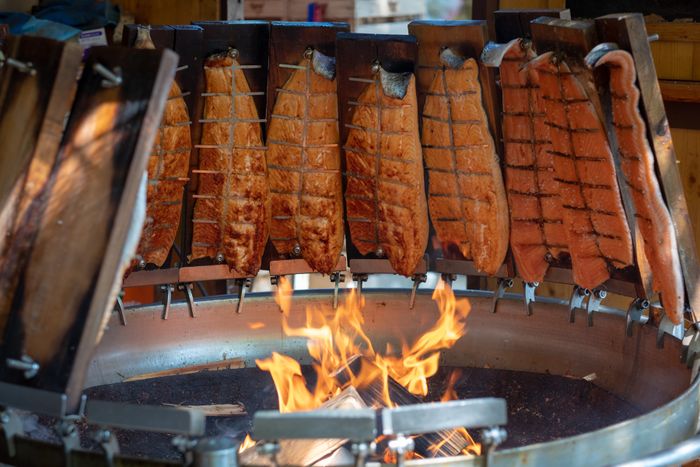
[296,251]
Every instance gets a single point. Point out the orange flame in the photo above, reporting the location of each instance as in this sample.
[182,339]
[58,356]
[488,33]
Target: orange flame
[335,338]
[247,443]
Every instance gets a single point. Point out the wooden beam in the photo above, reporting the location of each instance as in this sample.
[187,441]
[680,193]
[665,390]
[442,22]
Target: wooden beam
[514,24]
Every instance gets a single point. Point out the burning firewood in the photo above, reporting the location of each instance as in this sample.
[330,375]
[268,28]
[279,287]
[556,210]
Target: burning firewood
[304,451]
[374,394]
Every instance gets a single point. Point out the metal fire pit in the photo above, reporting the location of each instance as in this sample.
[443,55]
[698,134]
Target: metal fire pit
[635,368]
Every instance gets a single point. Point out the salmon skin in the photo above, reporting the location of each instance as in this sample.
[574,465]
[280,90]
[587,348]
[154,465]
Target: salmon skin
[637,164]
[594,219]
[537,228]
[168,168]
[304,165]
[467,199]
[232,211]
[385,192]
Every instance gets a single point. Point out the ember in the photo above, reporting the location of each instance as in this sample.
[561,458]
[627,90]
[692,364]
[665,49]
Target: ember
[336,340]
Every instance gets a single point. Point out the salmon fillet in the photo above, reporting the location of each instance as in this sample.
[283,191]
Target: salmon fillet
[168,168]
[385,192]
[637,163]
[596,227]
[467,200]
[232,211]
[537,228]
[304,169]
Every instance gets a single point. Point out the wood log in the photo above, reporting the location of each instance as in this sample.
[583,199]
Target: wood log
[440,444]
[307,451]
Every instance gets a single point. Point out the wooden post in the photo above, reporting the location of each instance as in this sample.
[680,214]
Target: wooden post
[629,32]
[514,24]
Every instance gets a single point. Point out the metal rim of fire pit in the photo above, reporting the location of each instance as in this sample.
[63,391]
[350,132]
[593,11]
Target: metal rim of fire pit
[652,376]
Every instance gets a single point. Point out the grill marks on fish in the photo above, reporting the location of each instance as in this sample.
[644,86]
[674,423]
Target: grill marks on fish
[385,192]
[232,210]
[168,167]
[537,226]
[304,169]
[467,198]
[637,164]
[596,228]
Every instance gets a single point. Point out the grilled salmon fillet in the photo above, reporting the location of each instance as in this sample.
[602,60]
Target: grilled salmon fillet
[637,163]
[232,211]
[596,227]
[467,199]
[385,193]
[304,169]
[537,227]
[168,168]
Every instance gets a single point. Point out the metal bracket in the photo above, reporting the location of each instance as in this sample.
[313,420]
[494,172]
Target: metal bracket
[578,295]
[594,301]
[70,438]
[666,326]
[336,278]
[529,295]
[160,419]
[243,285]
[362,451]
[25,364]
[167,300]
[11,427]
[400,446]
[418,279]
[491,438]
[109,444]
[503,284]
[23,67]
[119,308]
[187,288]
[360,279]
[448,278]
[635,313]
[270,448]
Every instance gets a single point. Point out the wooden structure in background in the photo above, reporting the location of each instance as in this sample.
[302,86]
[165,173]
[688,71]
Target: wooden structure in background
[173,11]
[80,224]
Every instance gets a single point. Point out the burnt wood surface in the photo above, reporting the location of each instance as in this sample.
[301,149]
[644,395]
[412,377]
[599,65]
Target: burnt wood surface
[467,39]
[573,40]
[288,41]
[355,56]
[513,24]
[629,32]
[79,224]
[32,110]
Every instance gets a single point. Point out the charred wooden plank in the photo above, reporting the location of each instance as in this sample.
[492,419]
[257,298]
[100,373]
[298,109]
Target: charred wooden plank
[81,227]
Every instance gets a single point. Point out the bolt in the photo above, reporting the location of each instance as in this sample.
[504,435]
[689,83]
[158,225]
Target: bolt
[220,258]
[379,252]
[308,53]
[375,68]
[296,251]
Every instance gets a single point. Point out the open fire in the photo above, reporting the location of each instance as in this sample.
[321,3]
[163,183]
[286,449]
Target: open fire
[337,341]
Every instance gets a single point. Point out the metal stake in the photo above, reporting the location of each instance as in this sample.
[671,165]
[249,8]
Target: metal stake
[666,326]
[400,446]
[359,279]
[109,444]
[168,289]
[336,278]
[187,288]
[361,451]
[111,78]
[529,295]
[119,306]
[593,304]
[418,279]
[11,427]
[243,284]
[576,301]
[503,284]
[635,313]
[26,364]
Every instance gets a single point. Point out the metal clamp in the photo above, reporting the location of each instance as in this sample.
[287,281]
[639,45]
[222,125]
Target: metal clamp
[11,427]
[400,446]
[119,308]
[269,448]
[666,326]
[503,284]
[360,279]
[491,438]
[336,278]
[635,313]
[25,364]
[594,301]
[112,78]
[448,278]
[109,444]
[361,451]
[243,285]
[187,288]
[418,279]
[578,296]
[167,299]
[529,295]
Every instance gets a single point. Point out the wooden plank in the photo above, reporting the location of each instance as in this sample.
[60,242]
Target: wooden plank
[33,110]
[355,54]
[575,39]
[675,32]
[513,24]
[84,219]
[467,39]
[629,32]
[172,11]
[485,9]
[680,91]
[299,266]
